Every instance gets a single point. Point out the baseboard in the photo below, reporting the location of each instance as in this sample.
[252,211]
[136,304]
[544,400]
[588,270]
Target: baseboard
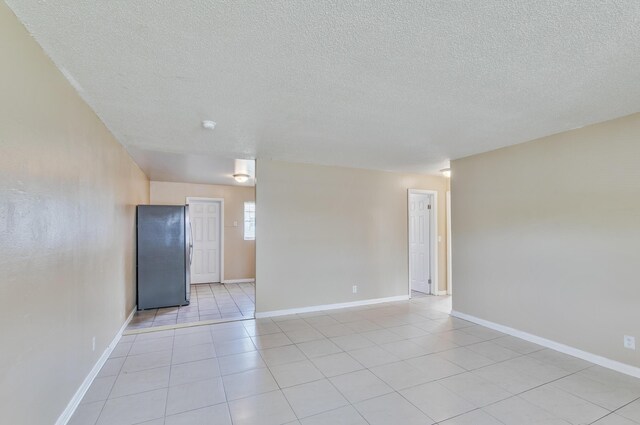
[77,397]
[314,308]
[566,349]
[248,280]
[442,293]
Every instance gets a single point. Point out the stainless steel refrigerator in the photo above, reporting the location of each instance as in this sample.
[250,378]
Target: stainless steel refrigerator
[164,250]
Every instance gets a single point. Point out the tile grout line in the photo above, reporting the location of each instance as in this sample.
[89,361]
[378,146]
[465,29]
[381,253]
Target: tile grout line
[514,395]
[528,390]
[314,366]
[613,412]
[310,359]
[274,378]
[166,401]
[439,379]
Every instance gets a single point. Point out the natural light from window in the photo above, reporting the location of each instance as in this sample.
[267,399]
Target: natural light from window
[249,221]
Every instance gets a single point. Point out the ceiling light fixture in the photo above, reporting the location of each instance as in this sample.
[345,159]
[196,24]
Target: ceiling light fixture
[241,178]
[446,172]
[208,124]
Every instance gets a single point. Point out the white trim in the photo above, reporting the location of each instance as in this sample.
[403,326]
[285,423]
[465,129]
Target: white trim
[66,414]
[449,268]
[442,292]
[314,308]
[221,200]
[434,247]
[566,349]
[249,280]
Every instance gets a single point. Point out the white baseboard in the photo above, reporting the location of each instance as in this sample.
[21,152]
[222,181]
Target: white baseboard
[442,293]
[77,397]
[314,308]
[566,349]
[247,280]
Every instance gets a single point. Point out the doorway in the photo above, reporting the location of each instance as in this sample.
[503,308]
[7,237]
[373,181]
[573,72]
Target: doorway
[223,288]
[206,216]
[422,228]
[213,295]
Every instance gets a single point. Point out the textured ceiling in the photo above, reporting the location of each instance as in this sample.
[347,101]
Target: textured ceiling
[391,85]
[193,168]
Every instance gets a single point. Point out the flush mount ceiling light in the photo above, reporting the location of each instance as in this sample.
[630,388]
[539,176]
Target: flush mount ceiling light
[241,178]
[208,124]
[446,172]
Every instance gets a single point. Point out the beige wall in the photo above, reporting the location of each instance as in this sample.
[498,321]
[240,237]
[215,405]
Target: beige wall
[546,237]
[68,192]
[321,230]
[239,255]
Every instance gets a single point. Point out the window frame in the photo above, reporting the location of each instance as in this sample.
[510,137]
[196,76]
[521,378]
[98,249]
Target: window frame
[246,222]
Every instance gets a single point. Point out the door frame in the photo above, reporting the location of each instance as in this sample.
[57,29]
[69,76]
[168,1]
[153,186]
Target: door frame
[221,201]
[433,240]
[449,274]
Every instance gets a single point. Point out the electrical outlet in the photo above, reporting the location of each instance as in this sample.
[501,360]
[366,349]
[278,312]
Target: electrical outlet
[93,344]
[355,289]
[630,342]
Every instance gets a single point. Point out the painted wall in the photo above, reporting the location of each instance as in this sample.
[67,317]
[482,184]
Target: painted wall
[321,230]
[546,237]
[68,192]
[239,255]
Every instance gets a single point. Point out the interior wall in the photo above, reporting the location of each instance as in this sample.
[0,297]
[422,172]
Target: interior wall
[239,255]
[321,230]
[68,192]
[546,237]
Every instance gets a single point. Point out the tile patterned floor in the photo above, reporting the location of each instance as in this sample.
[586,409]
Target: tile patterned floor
[417,294]
[208,302]
[388,364]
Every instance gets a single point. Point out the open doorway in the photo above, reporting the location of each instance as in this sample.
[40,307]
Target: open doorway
[221,273]
[422,238]
[213,296]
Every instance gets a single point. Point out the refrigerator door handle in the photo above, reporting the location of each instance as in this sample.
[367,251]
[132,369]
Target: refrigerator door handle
[190,244]
[188,238]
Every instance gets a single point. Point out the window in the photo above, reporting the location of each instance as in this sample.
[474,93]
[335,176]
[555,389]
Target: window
[249,221]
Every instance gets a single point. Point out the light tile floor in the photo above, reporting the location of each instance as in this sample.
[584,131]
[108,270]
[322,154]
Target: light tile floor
[388,364]
[417,294]
[208,302]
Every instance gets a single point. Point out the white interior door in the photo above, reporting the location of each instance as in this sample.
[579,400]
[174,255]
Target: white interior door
[420,242]
[205,222]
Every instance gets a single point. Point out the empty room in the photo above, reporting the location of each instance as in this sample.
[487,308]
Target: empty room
[320,213]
